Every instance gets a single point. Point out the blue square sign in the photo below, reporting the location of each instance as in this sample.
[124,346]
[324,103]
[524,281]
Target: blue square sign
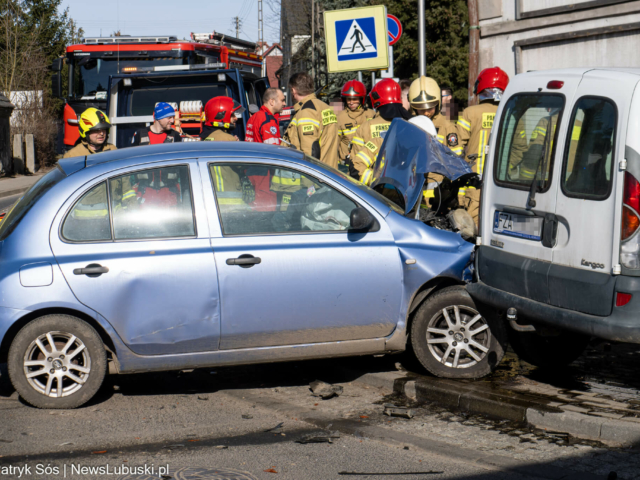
[356,38]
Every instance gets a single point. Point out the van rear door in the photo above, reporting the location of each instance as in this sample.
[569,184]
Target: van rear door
[519,201]
[590,189]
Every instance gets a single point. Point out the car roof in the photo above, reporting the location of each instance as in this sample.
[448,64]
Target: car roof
[145,154]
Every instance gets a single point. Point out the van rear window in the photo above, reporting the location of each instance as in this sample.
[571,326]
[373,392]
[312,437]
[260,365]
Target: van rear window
[527,139]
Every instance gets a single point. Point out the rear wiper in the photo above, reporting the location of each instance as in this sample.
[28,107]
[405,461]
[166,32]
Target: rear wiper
[531,203]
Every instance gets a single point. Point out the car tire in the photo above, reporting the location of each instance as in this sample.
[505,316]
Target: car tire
[446,346]
[73,366]
[548,351]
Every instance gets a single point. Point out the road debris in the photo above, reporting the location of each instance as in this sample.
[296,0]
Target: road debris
[325,390]
[221,447]
[247,416]
[98,452]
[2,440]
[63,444]
[276,429]
[314,438]
[270,470]
[392,411]
[203,397]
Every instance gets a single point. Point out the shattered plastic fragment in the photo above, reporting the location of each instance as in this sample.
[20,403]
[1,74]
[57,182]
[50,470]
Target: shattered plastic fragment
[247,417]
[313,438]
[393,411]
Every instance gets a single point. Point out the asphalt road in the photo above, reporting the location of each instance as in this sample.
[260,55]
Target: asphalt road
[7,202]
[209,420]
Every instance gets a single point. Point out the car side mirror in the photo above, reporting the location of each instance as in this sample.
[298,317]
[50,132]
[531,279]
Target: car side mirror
[361,219]
[253,108]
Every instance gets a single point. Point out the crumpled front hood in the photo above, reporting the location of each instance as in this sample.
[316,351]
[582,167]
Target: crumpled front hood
[408,152]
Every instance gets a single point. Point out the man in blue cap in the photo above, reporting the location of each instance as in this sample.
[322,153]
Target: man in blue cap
[160,130]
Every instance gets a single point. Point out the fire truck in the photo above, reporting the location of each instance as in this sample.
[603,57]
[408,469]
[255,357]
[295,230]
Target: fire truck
[94,61]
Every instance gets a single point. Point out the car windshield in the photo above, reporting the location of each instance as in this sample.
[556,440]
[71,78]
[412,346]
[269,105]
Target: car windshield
[357,184]
[92,74]
[20,209]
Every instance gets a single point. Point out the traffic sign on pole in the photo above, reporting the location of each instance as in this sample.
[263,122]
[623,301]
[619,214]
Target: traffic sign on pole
[394,29]
[356,39]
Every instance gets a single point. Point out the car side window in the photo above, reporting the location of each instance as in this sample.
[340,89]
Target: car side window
[259,199]
[88,220]
[153,203]
[588,160]
[527,140]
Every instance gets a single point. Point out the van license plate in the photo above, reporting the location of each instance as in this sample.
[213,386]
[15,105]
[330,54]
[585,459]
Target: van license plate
[521,226]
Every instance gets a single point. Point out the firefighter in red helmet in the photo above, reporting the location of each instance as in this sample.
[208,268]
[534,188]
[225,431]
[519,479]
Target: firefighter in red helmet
[386,98]
[354,114]
[221,115]
[474,127]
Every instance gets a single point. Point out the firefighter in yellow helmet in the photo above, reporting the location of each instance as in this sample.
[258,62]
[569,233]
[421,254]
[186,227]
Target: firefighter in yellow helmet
[94,127]
[475,126]
[425,98]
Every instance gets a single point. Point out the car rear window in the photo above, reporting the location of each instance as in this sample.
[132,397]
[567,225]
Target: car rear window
[527,139]
[22,207]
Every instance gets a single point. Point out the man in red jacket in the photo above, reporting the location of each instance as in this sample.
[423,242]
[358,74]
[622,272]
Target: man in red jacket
[263,126]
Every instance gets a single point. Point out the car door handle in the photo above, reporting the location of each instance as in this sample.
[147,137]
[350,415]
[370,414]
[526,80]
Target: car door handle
[92,270]
[245,261]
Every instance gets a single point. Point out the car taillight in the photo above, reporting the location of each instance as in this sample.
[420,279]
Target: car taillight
[630,243]
[622,299]
[631,206]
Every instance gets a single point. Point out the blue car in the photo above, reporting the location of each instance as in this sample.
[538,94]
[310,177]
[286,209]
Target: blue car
[180,256]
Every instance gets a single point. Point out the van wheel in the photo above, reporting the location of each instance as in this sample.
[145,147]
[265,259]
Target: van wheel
[57,361]
[548,351]
[452,339]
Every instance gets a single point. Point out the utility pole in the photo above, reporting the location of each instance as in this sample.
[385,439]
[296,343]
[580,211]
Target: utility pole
[236,20]
[422,68]
[261,35]
[313,42]
[474,40]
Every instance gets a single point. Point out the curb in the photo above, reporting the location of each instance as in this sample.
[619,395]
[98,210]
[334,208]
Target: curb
[485,399]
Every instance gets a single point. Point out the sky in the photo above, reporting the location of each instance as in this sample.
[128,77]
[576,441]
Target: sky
[166,17]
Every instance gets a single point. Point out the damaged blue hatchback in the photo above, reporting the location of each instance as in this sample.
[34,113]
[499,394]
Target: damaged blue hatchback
[193,255]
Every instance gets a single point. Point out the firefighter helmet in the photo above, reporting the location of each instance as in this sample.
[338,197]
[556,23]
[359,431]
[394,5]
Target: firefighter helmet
[491,78]
[354,88]
[91,120]
[384,92]
[424,94]
[218,111]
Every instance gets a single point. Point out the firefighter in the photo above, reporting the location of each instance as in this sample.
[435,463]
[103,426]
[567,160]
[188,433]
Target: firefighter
[365,146]
[220,117]
[313,128]
[93,126]
[354,114]
[425,97]
[160,130]
[474,127]
[264,126]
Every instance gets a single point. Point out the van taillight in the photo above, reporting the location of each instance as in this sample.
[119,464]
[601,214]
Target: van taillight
[631,206]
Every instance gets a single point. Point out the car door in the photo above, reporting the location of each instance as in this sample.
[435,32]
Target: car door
[289,270]
[580,277]
[519,198]
[134,246]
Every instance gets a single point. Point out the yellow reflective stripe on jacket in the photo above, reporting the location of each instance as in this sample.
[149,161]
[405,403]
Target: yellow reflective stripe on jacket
[429,193]
[303,121]
[575,134]
[219,180]
[357,141]
[523,134]
[481,148]
[457,150]
[464,124]
[293,122]
[366,176]
[285,180]
[88,213]
[347,132]
[128,194]
[230,201]
[440,138]
[365,158]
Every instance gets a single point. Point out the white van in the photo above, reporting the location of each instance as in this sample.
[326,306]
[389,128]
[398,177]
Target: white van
[559,244]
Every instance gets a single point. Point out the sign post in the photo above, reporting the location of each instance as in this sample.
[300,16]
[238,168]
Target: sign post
[356,39]
[394,32]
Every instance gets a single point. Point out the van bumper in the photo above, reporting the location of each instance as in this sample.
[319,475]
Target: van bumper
[623,325]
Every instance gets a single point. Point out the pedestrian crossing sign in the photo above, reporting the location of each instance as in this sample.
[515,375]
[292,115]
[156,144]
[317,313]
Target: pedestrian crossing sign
[356,39]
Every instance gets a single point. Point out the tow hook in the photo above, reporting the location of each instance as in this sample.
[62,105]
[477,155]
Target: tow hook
[512,316]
